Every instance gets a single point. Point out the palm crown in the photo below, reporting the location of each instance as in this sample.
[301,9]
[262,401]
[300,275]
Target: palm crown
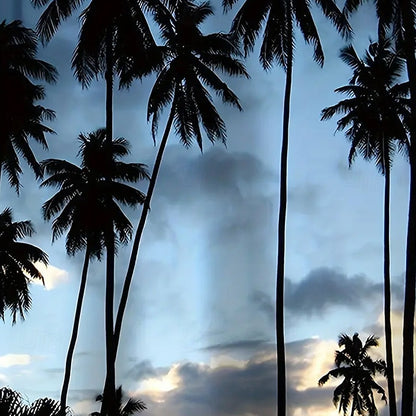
[17,261]
[21,118]
[376,111]
[86,202]
[190,62]
[278,35]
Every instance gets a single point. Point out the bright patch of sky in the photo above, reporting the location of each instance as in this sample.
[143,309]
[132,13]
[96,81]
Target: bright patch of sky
[199,330]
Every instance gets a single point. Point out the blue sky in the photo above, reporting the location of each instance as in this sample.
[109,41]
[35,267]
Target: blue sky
[198,336]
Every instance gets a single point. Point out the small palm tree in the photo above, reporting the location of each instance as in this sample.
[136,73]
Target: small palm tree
[17,260]
[279,20]
[86,205]
[21,118]
[374,116]
[358,370]
[129,408]
[191,60]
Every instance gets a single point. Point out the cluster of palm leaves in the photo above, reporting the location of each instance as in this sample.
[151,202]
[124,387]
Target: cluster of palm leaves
[115,42]
[358,369]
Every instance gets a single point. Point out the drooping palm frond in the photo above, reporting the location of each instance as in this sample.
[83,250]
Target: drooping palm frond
[17,261]
[21,118]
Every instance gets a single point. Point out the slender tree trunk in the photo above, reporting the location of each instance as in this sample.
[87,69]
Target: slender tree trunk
[140,228]
[109,399]
[74,335]
[387,295]
[408,20]
[280,275]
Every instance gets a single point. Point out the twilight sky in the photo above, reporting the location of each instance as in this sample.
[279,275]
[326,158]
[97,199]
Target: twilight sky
[198,337]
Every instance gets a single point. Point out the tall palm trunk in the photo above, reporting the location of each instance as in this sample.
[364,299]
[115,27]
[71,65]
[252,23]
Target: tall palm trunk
[408,17]
[281,243]
[74,335]
[138,236]
[139,232]
[109,397]
[387,295]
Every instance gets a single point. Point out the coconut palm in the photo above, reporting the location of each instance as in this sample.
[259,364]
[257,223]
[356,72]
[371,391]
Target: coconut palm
[129,408]
[190,66]
[279,19]
[358,370]
[21,117]
[18,265]
[373,117]
[86,203]
[400,14]
[113,36]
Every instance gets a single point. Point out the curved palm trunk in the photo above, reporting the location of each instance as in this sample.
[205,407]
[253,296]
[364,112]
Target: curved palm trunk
[140,228]
[281,243]
[74,335]
[109,395]
[387,296]
[409,296]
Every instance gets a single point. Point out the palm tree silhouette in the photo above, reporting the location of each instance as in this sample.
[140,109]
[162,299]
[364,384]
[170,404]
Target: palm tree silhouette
[279,19]
[400,15]
[128,408]
[87,203]
[113,36]
[373,119]
[17,261]
[12,404]
[358,369]
[190,65]
[21,118]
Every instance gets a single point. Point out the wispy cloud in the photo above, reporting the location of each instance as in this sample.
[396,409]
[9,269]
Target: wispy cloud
[11,360]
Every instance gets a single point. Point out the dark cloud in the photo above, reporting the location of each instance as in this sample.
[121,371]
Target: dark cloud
[143,369]
[245,345]
[324,288]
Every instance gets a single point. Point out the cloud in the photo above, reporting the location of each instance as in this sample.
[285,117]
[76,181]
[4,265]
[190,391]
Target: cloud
[324,288]
[243,387]
[53,276]
[11,360]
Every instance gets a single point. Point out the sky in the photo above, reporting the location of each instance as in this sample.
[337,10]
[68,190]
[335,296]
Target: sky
[198,336]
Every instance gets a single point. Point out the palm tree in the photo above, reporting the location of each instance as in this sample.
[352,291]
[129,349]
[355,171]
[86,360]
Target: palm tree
[21,118]
[190,63]
[11,404]
[279,19]
[401,15]
[358,369]
[113,36]
[129,408]
[373,116]
[18,267]
[87,203]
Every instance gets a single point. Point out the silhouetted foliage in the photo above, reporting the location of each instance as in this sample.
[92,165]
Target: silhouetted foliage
[21,118]
[358,370]
[124,408]
[17,260]
[12,404]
